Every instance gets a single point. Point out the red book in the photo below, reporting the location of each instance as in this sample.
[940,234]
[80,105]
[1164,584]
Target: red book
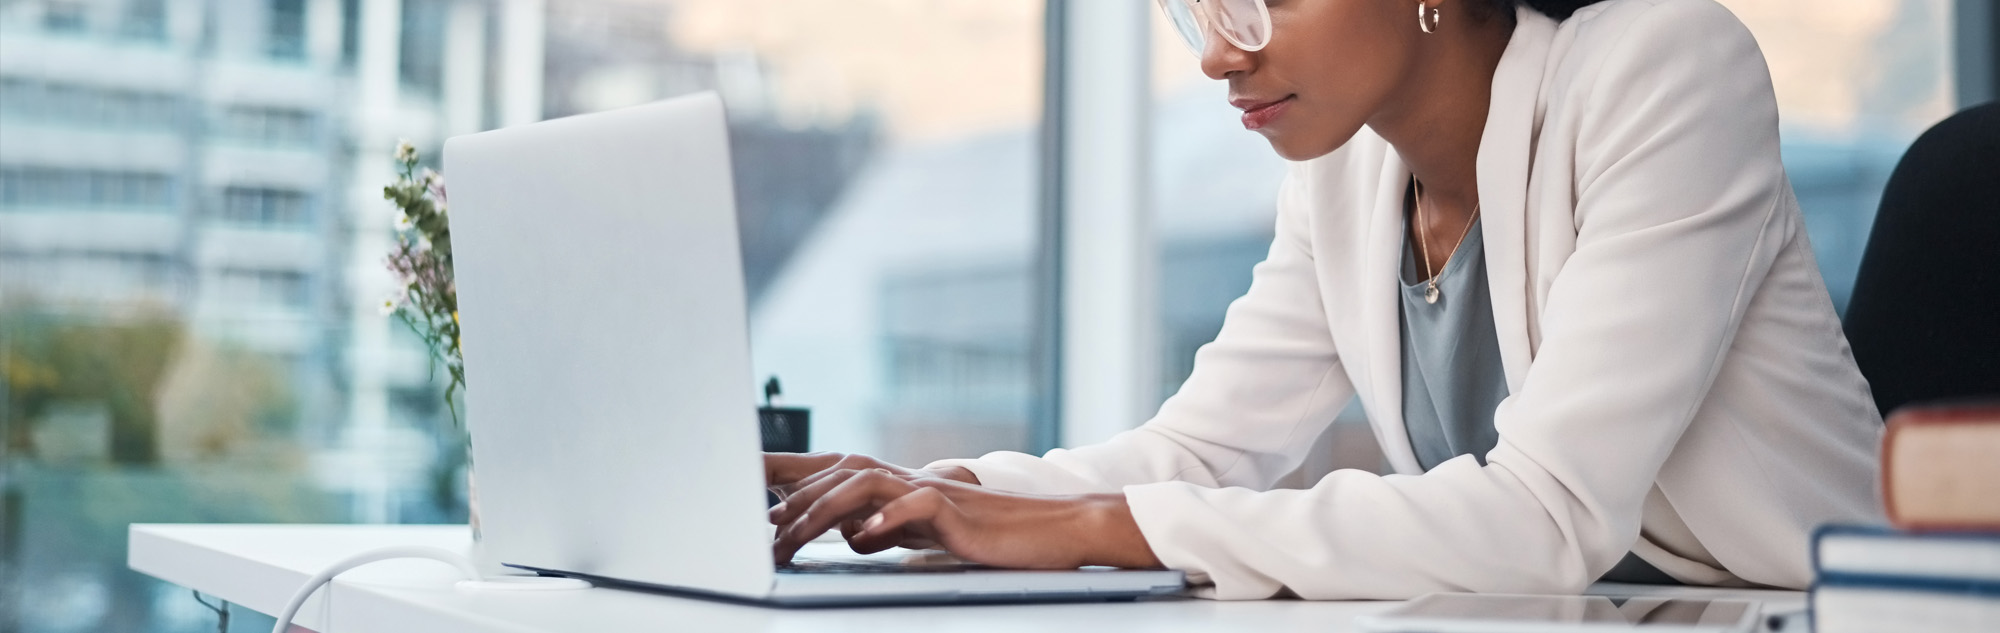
[1941,467]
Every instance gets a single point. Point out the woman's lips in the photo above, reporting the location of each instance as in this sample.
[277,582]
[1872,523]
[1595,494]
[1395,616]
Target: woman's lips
[1263,115]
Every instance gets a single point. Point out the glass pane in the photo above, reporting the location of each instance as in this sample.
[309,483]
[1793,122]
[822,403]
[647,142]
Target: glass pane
[1857,81]
[191,237]
[886,168]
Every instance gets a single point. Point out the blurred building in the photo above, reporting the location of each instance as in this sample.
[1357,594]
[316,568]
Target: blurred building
[165,154]
[221,160]
[219,163]
[178,157]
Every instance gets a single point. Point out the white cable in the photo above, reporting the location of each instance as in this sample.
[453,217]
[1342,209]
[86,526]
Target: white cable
[326,575]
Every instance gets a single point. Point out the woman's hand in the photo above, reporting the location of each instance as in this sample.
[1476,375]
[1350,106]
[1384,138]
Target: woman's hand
[878,508]
[787,472]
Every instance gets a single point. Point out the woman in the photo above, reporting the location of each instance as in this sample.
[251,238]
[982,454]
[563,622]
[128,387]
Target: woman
[1553,251]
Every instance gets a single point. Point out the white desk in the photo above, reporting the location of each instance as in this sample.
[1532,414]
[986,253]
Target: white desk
[259,566]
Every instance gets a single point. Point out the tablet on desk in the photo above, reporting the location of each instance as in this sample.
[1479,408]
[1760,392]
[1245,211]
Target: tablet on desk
[1499,613]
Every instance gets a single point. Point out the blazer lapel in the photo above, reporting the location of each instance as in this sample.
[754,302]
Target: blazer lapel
[1506,152]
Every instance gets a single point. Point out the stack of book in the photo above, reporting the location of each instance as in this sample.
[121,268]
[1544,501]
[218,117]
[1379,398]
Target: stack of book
[1937,566]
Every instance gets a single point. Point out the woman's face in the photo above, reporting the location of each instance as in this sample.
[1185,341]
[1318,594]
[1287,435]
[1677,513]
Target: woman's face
[1330,66]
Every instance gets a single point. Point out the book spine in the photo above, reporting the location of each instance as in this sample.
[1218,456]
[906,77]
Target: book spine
[1924,584]
[1915,419]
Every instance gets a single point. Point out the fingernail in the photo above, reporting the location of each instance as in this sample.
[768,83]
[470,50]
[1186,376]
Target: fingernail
[871,523]
[778,509]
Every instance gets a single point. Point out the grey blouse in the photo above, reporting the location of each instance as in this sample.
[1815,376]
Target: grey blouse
[1452,377]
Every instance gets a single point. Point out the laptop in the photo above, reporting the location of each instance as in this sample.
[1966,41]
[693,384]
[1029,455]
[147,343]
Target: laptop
[609,392]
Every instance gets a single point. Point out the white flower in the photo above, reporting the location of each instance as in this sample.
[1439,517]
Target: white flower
[405,152]
[423,243]
[432,179]
[391,303]
[403,223]
[443,209]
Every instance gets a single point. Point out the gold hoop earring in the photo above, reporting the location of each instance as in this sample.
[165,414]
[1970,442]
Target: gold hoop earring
[1427,17]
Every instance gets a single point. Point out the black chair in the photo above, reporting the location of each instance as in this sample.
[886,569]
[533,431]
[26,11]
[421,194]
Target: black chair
[1924,319]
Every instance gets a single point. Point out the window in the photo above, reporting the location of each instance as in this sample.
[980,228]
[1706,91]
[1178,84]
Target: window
[422,57]
[110,276]
[242,287]
[32,99]
[886,201]
[276,208]
[956,350]
[144,20]
[268,125]
[287,32]
[1856,83]
[886,164]
[82,188]
[350,31]
[65,16]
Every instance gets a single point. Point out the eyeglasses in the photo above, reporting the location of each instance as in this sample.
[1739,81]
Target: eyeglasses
[1245,24]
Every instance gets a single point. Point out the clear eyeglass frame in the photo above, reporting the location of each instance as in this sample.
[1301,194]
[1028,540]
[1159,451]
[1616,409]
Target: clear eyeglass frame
[1245,24]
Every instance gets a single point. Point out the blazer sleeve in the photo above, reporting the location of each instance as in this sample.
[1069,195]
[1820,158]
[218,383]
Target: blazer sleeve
[1679,184]
[1259,394]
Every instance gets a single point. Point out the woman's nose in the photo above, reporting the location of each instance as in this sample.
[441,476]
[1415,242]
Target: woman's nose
[1220,59]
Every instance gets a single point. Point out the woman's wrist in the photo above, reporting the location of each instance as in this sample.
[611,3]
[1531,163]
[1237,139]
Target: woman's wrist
[1111,535]
[955,473]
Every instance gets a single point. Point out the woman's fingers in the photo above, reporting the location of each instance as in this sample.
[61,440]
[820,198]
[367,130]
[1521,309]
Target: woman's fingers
[782,470]
[831,463]
[805,496]
[913,518]
[855,496]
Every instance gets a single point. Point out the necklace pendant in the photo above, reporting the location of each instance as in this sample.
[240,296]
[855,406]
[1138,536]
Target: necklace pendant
[1431,292]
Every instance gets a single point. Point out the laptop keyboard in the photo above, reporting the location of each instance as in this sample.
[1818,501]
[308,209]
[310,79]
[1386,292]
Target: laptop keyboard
[812,566]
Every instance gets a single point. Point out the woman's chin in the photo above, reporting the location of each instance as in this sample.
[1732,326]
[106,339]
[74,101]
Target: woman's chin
[1294,146]
[1293,149]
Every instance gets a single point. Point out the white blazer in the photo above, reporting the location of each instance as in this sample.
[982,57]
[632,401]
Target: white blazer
[1679,384]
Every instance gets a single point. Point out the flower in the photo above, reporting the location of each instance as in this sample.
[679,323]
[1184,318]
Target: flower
[424,290]
[434,182]
[404,276]
[393,302]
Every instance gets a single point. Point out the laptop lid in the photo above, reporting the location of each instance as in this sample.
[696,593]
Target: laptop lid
[608,379]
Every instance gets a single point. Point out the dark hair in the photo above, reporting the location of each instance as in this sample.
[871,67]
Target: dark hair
[1558,9]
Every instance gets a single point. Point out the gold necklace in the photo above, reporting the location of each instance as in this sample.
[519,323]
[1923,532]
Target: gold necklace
[1424,241]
